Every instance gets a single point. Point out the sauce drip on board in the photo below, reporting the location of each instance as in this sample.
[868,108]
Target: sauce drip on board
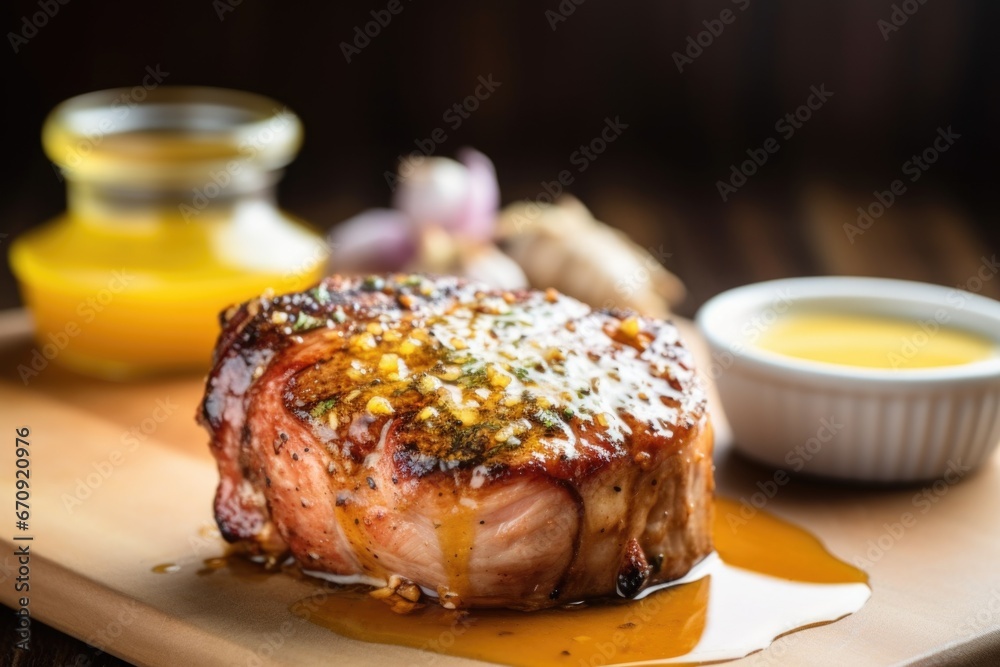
[871,341]
[166,568]
[767,578]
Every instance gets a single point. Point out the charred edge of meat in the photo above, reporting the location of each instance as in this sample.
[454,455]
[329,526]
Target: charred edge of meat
[634,572]
[252,333]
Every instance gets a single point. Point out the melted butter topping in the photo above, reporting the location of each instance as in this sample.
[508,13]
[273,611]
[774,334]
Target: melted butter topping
[490,379]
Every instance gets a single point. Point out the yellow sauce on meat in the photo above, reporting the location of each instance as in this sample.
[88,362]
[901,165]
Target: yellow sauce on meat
[767,573]
[874,342]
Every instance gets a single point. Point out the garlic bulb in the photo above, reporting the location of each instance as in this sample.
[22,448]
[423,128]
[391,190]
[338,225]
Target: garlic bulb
[461,197]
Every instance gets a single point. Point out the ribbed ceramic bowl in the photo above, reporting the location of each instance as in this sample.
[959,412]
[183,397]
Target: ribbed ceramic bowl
[848,422]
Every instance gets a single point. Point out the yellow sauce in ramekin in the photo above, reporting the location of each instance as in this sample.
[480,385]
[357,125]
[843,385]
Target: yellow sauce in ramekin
[873,341]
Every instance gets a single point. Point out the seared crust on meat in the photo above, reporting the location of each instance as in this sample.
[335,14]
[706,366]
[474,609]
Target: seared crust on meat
[496,448]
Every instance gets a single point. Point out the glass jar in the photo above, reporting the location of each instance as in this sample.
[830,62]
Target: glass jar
[171,219]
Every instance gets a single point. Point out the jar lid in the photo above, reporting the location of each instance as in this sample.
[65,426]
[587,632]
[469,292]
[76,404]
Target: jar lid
[170,136]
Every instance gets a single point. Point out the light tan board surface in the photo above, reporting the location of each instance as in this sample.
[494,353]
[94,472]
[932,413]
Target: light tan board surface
[102,520]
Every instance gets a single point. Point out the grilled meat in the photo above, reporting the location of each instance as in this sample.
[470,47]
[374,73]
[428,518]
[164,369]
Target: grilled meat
[494,448]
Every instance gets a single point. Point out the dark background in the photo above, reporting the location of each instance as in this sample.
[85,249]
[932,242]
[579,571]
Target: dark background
[658,181]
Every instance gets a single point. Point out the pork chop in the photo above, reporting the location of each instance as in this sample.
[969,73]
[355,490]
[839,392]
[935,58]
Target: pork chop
[494,449]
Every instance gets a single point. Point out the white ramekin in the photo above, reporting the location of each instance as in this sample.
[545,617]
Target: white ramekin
[850,422]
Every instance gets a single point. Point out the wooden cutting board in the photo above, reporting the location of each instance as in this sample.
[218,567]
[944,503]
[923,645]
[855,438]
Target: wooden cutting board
[122,481]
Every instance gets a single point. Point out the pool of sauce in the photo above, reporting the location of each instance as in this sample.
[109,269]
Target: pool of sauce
[767,578]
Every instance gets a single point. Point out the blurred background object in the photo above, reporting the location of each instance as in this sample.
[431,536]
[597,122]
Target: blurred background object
[443,221]
[542,88]
[561,245]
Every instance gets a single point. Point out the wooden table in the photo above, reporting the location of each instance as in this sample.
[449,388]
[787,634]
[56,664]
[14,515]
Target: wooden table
[757,242]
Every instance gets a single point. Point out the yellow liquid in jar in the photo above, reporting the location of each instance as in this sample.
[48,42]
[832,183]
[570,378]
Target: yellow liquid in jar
[872,341]
[134,297]
[170,220]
